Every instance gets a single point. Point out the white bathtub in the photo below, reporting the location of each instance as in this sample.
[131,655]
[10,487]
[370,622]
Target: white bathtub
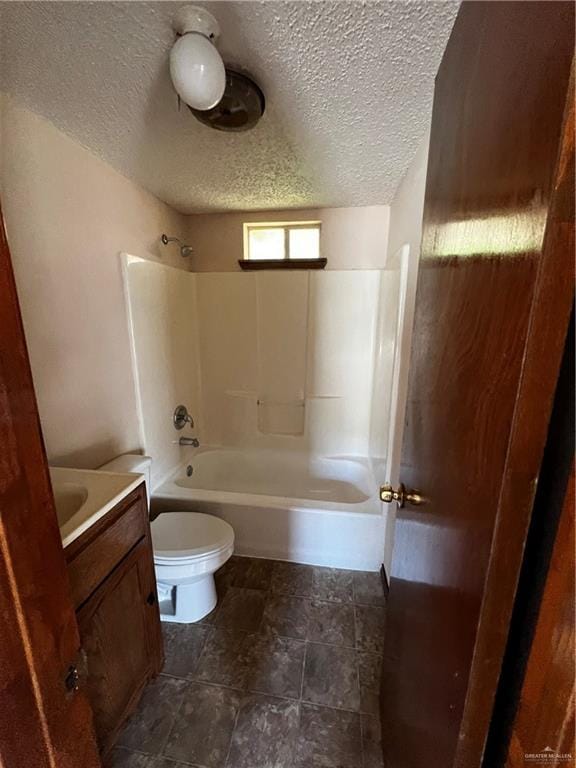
[320,511]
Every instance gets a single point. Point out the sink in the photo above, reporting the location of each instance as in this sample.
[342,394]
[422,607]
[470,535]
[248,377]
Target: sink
[69,498]
[83,496]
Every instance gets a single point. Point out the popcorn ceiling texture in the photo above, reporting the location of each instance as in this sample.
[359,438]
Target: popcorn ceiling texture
[348,86]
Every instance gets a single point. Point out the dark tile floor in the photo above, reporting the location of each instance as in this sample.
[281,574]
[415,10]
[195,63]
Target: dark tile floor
[283,674]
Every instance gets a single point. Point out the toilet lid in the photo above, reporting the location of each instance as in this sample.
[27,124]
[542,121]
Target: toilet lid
[178,535]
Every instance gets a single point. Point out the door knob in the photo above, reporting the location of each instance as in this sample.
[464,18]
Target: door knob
[402,495]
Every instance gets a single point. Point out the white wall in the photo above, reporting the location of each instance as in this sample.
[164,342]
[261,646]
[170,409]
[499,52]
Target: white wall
[405,228]
[352,238]
[68,215]
[408,204]
[162,311]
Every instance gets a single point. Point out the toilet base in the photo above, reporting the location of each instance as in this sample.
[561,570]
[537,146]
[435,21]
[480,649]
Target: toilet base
[187,603]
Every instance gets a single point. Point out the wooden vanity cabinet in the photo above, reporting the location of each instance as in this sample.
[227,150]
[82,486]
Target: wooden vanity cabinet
[111,570]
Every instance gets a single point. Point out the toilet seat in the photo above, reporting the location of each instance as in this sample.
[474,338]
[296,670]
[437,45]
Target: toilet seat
[180,537]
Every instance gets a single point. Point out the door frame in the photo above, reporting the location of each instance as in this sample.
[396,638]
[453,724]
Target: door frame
[401,351]
[44,722]
[406,263]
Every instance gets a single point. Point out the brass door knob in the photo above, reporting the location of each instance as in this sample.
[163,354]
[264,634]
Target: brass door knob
[400,495]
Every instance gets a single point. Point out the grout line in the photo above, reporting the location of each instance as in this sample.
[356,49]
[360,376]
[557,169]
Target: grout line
[252,691]
[359,693]
[209,633]
[270,590]
[160,753]
[274,636]
[283,637]
[362,751]
[197,681]
[303,669]
[232,732]
[154,757]
[335,709]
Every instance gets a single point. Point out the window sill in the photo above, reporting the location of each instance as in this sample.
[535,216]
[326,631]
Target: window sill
[248,264]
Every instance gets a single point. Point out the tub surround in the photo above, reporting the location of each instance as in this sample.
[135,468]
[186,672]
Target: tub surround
[162,319]
[264,361]
[287,360]
[277,370]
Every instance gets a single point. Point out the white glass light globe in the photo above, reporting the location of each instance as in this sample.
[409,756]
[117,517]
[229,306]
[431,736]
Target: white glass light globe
[197,71]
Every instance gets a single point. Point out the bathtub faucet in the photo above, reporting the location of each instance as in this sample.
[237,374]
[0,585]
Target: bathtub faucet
[193,441]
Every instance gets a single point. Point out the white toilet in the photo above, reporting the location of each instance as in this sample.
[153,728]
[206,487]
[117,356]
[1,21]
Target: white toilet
[189,547]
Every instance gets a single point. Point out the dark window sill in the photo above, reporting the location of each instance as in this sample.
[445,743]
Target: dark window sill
[247,264]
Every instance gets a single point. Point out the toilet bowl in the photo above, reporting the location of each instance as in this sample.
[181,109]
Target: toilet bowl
[189,547]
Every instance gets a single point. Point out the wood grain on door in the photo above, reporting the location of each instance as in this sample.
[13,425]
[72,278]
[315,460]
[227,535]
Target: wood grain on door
[493,303]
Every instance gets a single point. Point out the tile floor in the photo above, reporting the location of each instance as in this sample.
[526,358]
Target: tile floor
[283,674]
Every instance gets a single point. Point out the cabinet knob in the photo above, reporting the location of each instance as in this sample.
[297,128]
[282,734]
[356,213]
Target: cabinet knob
[151,599]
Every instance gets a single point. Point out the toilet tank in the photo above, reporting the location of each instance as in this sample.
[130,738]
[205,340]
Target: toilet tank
[131,462]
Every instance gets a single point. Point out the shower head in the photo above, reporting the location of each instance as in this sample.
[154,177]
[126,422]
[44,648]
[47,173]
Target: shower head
[185,250]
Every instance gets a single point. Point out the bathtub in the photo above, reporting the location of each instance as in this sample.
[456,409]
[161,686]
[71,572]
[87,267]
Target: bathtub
[320,511]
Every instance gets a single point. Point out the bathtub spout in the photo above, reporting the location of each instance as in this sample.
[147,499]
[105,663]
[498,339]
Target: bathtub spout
[193,441]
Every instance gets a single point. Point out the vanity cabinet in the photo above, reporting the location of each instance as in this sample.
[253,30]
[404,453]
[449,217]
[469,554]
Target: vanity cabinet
[111,570]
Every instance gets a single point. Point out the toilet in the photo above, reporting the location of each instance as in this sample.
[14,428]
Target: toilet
[189,547]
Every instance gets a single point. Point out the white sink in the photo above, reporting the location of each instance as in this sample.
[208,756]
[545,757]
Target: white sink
[69,498]
[83,496]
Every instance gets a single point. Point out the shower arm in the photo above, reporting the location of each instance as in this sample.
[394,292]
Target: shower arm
[185,250]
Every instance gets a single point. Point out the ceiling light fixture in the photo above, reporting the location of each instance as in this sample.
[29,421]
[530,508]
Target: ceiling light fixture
[240,108]
[196,67]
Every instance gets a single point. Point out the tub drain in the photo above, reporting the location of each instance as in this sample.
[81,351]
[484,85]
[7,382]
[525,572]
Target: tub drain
[189,470]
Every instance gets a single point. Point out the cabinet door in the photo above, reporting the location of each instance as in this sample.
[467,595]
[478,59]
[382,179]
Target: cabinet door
[115,634]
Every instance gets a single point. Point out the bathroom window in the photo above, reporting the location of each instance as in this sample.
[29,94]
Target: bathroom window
[283,245]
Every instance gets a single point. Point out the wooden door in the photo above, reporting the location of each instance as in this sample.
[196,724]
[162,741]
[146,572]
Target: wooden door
[114,627]
[493,302]
[42,724]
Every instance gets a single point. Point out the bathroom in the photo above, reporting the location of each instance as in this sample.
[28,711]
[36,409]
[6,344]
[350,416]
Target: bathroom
[219,307]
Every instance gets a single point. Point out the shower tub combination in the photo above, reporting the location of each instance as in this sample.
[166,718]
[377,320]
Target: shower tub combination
[286,506]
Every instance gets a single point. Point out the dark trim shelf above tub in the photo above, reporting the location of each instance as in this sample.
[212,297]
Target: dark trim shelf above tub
[252,264]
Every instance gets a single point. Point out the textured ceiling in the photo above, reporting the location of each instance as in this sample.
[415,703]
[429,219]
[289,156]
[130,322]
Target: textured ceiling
[348,88]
